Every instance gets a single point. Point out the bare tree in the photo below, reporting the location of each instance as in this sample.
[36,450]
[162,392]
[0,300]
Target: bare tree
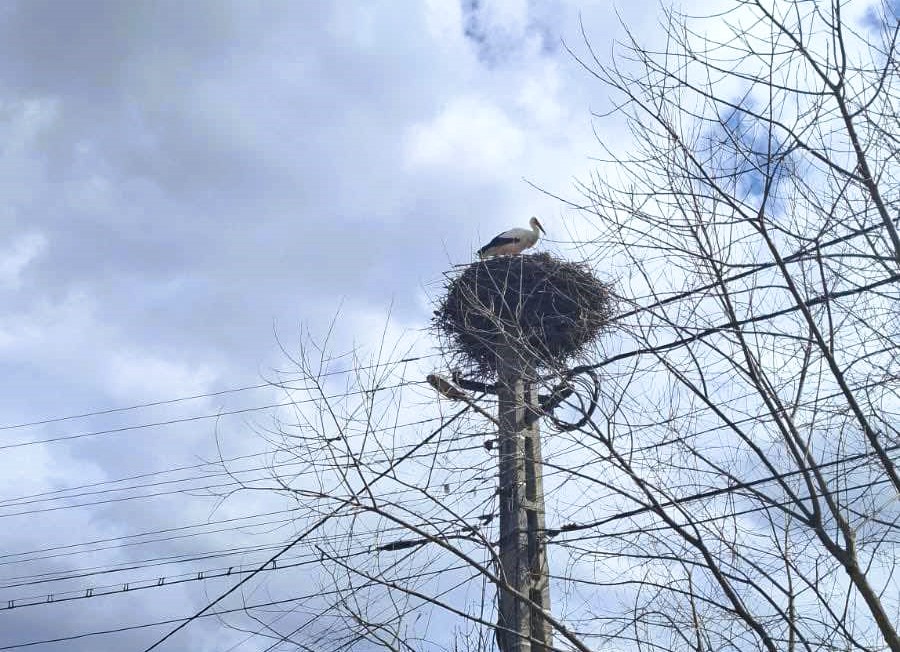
[728,480]
[754,432]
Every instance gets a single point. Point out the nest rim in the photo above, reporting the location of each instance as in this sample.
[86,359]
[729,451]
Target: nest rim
[543,309]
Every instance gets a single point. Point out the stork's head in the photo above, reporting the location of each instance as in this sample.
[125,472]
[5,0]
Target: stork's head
[536,225]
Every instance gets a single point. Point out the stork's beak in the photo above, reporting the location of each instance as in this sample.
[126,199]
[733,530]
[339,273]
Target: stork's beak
[536,221]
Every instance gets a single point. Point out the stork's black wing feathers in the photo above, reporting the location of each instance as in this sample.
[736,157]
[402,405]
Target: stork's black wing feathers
[498,241]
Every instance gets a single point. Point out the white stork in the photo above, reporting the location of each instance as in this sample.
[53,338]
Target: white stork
[514,241]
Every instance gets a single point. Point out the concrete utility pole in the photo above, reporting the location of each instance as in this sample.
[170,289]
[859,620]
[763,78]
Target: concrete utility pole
[523,559]
[511,315]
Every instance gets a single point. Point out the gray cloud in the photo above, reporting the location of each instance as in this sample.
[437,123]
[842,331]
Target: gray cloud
[196,173]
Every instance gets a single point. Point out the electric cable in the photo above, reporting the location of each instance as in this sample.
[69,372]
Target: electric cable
[200,417]
[221,392]
[315,526]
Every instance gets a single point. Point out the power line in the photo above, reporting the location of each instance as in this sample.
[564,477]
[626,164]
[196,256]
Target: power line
[48,577]
[39,497]
[712,493]
[170,401]
[180,399]
[837,295]
[15,558]
[702,521]
[734,422]
[207,574]
[163,581]
[301,537]
[59,576]
[156,494]
[219,612]
[382,568]
[210,574]
[271,522]
[368,582]
[458,449]
[711,330]
[164,535]
[571,527]
[755,269]
[615,534]
[236,482]
[27,497]
[188,467]
[131,586]
[416,576]
[214,415]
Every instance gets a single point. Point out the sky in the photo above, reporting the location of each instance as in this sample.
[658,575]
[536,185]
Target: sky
[191,188]
[188,185]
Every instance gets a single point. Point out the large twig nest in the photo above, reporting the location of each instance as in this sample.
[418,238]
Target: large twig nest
[538,307]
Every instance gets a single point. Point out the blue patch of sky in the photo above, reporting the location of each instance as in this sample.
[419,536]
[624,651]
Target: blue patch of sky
[883,15]
[745,154]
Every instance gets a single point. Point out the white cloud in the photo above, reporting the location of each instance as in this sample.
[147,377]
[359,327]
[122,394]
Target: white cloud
[70,339]
[356,24]
[442,19]
[470,137]
[48,332]
[17,256]
[539,97]
[131,373]
[24,122]
[185,187]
